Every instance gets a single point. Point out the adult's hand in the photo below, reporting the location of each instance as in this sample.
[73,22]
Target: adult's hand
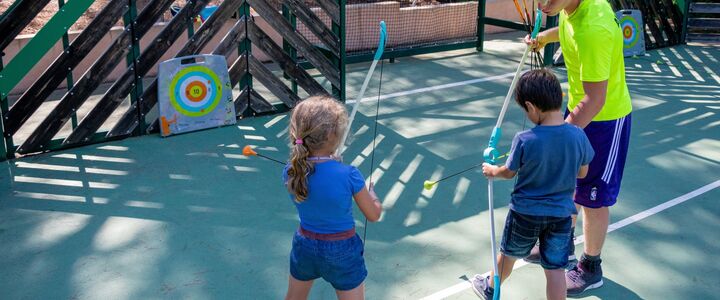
[542,39]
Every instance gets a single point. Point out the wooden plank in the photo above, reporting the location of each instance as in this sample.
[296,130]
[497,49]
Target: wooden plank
[40,44]
[332,8]
[705,8]
[129,121]
[14,21]
[56,73]
[300,43]
[238,69]
[84,87]
[242,102]
[675,16]
[315,25]
[703,37]
[272,83]
[665,26]
[230,42]
[121,88]
[258,104]
[649,21]
[704,23]
[210,27]
[266,44]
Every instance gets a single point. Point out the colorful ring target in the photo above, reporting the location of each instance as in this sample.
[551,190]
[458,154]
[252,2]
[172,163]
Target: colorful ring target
[195,91]
[630,30]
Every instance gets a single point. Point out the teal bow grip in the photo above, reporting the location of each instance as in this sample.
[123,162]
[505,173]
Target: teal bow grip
[538,22]
[381,43]
[491,153]
[496,291]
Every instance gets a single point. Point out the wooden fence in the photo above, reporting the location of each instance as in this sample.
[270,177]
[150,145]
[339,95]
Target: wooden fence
[235,44]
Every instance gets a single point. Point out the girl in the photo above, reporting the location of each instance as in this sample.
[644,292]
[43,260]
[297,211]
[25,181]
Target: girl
[322,189]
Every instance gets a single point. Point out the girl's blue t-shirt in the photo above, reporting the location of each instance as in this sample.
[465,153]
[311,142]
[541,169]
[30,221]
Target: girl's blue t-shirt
[328,207]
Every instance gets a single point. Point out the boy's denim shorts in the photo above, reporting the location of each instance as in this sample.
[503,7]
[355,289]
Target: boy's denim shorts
[340,263]
[523,231]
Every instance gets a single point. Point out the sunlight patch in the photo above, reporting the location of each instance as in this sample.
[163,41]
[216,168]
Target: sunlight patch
[55,228]
[118,232]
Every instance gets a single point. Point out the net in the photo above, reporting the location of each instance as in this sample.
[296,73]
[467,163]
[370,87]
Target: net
[410,23]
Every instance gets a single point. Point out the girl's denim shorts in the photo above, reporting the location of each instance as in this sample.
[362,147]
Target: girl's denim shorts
[340,263]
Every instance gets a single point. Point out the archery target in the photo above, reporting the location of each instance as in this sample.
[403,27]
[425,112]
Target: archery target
[194,95]
[195,91]
[630,22]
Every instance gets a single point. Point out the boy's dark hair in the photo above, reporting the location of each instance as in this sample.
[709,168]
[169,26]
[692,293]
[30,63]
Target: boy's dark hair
[541,88]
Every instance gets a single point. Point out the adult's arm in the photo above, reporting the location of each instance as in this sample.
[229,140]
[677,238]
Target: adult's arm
[590,105]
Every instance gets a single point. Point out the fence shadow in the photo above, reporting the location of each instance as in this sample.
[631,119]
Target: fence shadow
[189,216]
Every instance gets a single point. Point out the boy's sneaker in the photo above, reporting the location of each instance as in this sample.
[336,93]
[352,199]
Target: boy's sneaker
[585,276]
[481,286]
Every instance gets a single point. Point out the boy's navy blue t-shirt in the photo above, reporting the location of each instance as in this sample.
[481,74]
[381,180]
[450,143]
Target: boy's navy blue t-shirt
[547,160]
[328,207]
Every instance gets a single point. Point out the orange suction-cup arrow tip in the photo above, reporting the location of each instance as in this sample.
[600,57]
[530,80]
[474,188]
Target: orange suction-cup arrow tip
[248,151]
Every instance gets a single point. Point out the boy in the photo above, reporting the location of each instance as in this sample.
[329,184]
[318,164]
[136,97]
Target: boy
[599,101]
[547,159]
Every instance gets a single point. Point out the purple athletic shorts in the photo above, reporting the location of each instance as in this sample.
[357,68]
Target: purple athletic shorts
[610,140]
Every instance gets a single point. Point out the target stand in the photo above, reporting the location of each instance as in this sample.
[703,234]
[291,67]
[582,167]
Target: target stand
[194,93]
[631,24]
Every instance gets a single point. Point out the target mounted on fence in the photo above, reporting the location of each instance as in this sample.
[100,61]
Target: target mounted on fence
[194,94]
[630,21]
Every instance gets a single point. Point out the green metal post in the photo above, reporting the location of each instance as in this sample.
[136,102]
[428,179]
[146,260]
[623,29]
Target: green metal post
[70,81]
[686,13]
[132,62]
[7,148]
[480,25]
[191,23]
[550,49]
[245,46]
[339,29]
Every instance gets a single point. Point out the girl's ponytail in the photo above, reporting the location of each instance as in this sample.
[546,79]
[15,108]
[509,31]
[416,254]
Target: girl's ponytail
[299,170]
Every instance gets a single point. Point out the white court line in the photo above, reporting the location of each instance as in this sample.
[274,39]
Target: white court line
[580,239]
[433,88]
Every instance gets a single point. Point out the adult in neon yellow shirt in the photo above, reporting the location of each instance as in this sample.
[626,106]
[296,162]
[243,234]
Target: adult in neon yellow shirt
[592,45]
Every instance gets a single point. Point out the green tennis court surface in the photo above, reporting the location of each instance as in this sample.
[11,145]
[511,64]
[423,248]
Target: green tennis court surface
[189,217]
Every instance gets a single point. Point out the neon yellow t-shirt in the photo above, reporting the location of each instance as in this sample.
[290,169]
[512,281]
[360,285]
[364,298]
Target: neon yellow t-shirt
[592,46]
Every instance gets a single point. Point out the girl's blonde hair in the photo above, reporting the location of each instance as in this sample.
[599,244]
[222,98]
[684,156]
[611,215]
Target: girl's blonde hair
[315,123]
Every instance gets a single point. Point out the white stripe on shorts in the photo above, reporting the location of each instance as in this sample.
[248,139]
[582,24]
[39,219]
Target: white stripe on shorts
[610,153]
[612,160]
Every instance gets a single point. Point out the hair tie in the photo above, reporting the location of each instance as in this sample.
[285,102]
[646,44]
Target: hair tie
[298,142]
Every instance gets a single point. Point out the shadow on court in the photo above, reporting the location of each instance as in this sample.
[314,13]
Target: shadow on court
[190,217]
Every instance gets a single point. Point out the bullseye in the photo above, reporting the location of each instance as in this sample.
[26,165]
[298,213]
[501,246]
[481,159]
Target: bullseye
[627,32]
[196,91]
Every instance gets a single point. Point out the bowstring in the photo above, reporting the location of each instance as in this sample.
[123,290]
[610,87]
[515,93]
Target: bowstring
[372,154]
